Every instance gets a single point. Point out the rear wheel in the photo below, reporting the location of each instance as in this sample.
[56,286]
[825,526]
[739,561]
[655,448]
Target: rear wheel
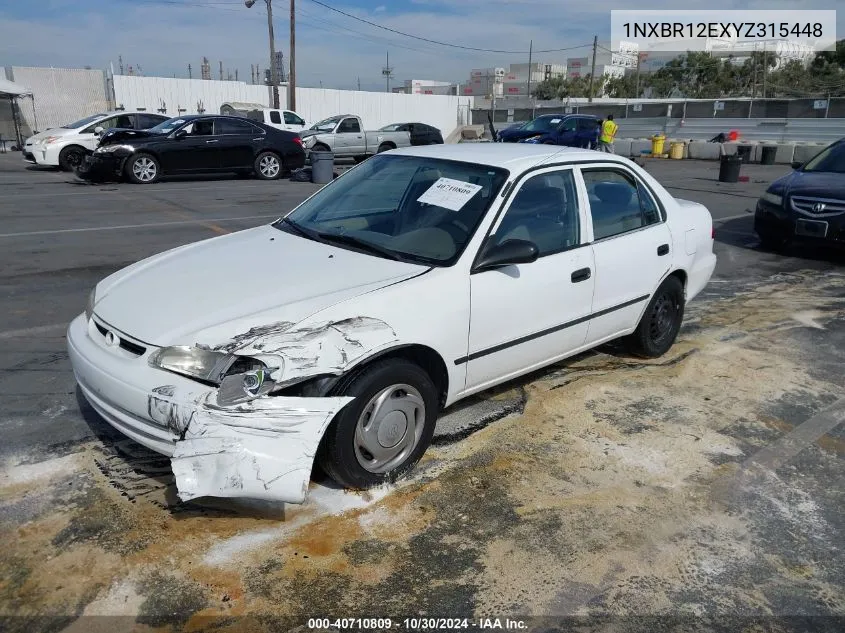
[381,435]
[143,169]
[268,166]
[661,321]
[70,158]
[384,147]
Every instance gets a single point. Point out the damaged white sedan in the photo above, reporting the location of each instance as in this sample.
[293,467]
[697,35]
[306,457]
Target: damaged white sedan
[340,331]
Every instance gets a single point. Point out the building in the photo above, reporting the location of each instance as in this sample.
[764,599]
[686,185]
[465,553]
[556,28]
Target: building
[427,87]
[781,51]
[609,63]
[510,82]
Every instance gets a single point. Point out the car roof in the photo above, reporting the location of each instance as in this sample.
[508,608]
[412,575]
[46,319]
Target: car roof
[515,157]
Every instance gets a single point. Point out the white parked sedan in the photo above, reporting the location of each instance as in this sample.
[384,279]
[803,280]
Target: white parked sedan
[341,330]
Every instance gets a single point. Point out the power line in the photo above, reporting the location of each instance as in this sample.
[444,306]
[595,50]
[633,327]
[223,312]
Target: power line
[430,41]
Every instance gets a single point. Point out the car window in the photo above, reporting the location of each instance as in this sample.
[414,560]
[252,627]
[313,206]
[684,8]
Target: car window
[146,121]
[203,127]
[618,203]
[420,208]
[568,125]
[586,124]
[292,119]
[275,117]
[234,126]
[831,159]
[544,211]
[349,125]
[105,124]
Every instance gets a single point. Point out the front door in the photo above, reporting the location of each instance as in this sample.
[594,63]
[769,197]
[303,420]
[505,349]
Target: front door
[293,122]
[524,316]
[198,150]
[349,139]
[567,132]
[631,246]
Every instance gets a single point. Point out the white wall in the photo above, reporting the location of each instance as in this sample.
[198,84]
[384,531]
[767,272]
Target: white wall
[60,95]
[133,92]
[375,108]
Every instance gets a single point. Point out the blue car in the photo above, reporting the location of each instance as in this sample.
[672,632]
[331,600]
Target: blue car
[807,205]
[572,130]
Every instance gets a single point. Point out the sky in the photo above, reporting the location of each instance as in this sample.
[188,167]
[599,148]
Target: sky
[332,50]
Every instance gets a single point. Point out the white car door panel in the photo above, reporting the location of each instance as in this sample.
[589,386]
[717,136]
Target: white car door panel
[631,247]
[526,315]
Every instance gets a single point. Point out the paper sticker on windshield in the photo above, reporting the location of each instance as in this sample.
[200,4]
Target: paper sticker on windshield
[449,194]
[555,121]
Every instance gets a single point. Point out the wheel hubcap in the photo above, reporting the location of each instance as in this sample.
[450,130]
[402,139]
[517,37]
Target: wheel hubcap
[389,428]
[662,317]
[144,169]
[74,159]
[269,166]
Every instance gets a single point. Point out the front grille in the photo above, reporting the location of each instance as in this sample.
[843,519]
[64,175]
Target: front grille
[818,207]
[129,346]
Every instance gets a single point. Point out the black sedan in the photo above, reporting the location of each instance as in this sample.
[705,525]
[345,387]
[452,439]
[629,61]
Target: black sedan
[194,144]
[421,134]
[807,205]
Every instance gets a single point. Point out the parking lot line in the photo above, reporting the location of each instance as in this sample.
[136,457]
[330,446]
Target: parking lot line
[31,331]
[140,226]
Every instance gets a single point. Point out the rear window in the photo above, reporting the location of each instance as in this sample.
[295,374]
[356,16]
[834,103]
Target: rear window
[275,117]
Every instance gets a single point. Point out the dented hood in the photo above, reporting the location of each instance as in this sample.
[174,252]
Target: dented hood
[212,290]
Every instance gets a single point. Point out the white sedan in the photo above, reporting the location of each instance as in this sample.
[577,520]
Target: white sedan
[340,331]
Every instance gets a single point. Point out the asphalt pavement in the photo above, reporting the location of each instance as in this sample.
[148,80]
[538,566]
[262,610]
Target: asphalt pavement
[705,483]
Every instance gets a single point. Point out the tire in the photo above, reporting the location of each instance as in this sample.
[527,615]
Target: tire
[143,169]
[71,157]
[384,147]
[388,390]
[359,159]
[268,166]
[661,321]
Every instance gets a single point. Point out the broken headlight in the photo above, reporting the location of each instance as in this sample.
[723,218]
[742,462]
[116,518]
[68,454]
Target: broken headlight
[202,364]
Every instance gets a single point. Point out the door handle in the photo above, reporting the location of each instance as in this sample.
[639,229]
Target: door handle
[213,141]
[582,274]
[663,249]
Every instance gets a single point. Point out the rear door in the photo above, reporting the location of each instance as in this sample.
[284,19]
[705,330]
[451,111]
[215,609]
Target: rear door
[631,247]
[587,132]
[238,141]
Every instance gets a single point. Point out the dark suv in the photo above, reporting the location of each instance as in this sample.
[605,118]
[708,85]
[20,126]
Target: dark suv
[572,130]
[806,205]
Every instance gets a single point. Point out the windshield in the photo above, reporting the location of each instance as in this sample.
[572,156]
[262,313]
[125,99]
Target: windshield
[831,159]
[83,122]
[414,208]
[166,127]
[326,125]
[542,124]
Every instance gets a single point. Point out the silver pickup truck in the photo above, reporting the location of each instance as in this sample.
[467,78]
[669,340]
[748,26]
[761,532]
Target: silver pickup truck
[343,135]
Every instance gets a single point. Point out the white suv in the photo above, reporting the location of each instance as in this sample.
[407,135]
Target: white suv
[66,146]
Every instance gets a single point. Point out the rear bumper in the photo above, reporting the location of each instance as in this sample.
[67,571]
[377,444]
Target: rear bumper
[699,275]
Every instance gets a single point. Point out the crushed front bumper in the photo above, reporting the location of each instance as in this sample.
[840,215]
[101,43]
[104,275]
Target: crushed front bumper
[101,167]
[261,449]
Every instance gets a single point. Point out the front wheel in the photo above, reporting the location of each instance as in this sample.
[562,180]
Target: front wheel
[381,435]
[268,166]
[71,158]
[143,169]
[772,241]
[661,321]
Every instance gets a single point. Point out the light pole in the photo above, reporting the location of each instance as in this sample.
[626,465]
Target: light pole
[274,77]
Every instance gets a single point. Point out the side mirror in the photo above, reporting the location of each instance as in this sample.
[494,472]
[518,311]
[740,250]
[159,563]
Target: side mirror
[505,254]
[797,164]
[180,134]
[98,130]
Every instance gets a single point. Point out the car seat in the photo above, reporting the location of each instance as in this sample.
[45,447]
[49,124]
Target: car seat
[541,213]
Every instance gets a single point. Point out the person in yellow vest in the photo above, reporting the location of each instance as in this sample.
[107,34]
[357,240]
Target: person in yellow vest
[608,133]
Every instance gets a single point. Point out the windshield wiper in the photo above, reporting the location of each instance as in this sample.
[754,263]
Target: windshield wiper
[364,245]
[311,235]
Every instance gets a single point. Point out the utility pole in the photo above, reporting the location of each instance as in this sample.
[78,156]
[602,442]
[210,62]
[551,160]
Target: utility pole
[189,72]
[754,76]
[221,70]
[387,71]
[274,79]
[530,52]
[637,89]
[593,71]
[765,68]
[292,73]
[359,84]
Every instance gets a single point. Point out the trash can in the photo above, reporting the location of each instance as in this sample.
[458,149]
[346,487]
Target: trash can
[657,144]
[322,167]
[767,155]
[729,168]
[744,152]
[676,150]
